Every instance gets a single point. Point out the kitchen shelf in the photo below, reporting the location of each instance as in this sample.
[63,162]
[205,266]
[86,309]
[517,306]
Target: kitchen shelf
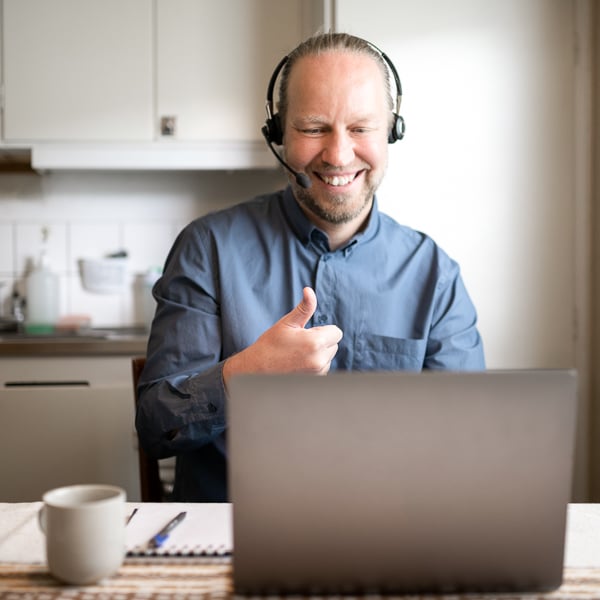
[151,156]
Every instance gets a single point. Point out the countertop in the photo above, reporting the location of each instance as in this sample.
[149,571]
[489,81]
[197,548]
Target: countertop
[90,342]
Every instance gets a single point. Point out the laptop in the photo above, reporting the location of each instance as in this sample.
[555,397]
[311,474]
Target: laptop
[382,483]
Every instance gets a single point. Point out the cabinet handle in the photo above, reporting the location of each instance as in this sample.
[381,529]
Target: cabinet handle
[66,383]
[168,126]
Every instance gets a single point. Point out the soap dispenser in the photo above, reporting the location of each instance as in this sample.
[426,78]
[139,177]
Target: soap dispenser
[42,293]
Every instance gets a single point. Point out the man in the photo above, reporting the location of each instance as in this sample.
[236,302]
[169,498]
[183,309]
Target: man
[309,279]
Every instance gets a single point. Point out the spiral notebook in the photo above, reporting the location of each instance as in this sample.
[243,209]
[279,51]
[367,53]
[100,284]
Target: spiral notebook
[205,531]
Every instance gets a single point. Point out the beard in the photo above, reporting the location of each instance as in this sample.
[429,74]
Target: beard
[335,209]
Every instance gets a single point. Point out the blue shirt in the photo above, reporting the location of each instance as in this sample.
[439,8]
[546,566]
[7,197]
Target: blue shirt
[398,298]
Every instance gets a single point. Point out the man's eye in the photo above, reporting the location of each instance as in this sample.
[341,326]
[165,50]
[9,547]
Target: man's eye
[312,131]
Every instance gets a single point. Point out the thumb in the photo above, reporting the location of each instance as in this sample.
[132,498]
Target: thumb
[304,310]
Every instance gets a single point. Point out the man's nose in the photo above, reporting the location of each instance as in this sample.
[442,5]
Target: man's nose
[339,149]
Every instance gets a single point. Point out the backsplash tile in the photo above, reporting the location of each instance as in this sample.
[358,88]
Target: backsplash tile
[92,240]
[91,214]
[29,244]
[6,289]
[105,310]
[6,249]
[147,244]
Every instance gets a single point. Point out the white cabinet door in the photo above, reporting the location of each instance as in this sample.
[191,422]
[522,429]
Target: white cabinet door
[214,60]
[64,421]
[55,435]
[78,70]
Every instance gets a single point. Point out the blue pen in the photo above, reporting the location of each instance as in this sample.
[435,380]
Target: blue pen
[161,537]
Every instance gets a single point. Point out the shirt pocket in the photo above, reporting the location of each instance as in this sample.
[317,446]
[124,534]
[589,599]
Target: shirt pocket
[383,353]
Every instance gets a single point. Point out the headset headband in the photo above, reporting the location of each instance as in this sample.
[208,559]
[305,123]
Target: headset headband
[273,130]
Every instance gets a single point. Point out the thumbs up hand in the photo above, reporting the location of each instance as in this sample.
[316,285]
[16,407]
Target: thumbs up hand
[288,347]
[300,315]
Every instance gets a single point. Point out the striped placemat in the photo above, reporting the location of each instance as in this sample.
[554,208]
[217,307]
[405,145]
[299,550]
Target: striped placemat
[183,579]
[164,579]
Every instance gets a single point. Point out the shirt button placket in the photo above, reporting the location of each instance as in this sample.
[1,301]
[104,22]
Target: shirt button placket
[324,290]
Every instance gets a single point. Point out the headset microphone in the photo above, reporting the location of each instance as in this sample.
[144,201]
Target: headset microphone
[302,179]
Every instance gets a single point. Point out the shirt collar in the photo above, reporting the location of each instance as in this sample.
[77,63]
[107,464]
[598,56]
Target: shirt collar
[304,228]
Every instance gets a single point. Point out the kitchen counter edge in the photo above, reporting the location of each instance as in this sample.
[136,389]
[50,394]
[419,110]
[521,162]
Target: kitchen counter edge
[73,347]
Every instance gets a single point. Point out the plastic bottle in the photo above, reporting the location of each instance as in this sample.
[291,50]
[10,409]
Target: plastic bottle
[42,293]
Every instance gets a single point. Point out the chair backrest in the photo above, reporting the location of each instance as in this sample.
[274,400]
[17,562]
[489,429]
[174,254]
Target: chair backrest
[150,485]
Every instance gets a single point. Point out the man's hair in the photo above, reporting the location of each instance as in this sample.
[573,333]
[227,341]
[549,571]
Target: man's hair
[327,42]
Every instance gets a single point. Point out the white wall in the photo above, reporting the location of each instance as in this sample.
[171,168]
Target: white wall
[92,214]
[486,166]
[495,166]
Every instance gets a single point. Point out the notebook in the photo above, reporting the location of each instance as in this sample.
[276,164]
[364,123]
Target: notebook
[400,482]
[205,530]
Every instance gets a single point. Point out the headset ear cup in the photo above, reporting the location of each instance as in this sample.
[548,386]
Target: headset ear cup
[274,129]
[397,130]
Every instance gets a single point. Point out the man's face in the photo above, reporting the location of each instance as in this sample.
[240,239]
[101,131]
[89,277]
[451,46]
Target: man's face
[336,132]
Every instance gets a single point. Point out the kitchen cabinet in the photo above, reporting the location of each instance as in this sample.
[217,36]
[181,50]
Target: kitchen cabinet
[214,60]
[77,70]
[144,71]
[65,421]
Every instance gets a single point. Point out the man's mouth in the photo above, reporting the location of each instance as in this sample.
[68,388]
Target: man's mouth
[339,180]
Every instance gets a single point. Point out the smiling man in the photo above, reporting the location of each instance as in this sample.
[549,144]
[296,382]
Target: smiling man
[339,140]
[312,278]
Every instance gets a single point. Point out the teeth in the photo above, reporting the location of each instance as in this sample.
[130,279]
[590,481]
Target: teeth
[338,180]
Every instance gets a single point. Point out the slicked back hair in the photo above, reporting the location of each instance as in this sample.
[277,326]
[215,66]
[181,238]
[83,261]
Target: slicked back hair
[326,42]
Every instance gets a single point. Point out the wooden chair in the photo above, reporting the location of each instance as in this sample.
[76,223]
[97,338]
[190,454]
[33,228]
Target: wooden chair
[150,484]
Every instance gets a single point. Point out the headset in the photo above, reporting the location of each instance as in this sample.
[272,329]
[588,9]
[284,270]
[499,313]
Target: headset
[273,130]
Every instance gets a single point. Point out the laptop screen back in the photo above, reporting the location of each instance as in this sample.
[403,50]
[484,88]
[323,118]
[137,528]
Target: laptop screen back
[400,482]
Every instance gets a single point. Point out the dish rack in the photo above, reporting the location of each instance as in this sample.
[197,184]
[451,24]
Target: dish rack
[103,275]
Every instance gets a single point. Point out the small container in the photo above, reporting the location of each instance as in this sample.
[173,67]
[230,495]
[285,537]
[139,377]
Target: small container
[42,293]
[103,275]
[42,301]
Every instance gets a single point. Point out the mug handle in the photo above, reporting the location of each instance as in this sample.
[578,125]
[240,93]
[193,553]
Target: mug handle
[42,518]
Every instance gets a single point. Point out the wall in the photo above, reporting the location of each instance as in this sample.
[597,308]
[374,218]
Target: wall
[486,166]
[92,214]
[494,165]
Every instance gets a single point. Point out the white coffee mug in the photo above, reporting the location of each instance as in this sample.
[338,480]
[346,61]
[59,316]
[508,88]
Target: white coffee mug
[85,532]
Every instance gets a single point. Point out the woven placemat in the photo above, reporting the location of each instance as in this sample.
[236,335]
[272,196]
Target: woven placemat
[190,578]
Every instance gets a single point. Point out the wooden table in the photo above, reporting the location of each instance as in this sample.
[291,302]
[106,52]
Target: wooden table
[196,577]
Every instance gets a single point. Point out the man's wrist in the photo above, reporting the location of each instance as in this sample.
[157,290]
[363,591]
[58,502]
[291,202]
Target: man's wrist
[231,367]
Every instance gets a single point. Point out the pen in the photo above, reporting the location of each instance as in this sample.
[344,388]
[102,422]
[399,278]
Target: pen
[131,516]
[160,538]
